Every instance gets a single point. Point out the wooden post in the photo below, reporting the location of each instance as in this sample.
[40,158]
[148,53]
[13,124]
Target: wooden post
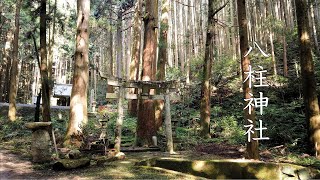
[168,123]
[120,119]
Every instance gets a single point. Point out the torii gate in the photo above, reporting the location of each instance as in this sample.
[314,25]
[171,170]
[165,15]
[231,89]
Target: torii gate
[144,88]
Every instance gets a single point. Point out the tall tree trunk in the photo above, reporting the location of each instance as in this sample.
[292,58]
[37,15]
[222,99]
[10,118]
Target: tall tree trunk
[119,121]
[285,60]
[170,35]
[194,26]
[110,68]
[308,79]
[252,146]
[78,104]
[176,54]
[146,127]
[2,79]
[119,44]
[135,59]
[52,42]
[5,84]
[14,68]
[207,66]
[272,53]
[163,58]
[314,29]
[45,81]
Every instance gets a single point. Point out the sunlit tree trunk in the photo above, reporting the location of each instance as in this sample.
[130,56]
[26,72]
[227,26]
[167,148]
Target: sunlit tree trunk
[314,28]
[308,79]
[119,121]
[119,44]
[170,35]
[163,59]
[52,41]
[176,54]
[78,105]
[194,26]
[146,127]
[45,80]
[14,67]
[110,52]
[181,38]
[252,146]
[135,56]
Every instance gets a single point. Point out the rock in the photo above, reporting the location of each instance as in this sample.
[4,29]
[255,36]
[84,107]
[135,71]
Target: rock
[304,174]
[112,153]
[120,156]
[74,154]
[40,147]
[64,150]
[37,125]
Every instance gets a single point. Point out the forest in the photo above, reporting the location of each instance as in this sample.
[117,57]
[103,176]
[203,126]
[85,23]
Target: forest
[159,89]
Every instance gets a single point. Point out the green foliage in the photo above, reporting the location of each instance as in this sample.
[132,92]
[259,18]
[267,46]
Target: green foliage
[60,120]
[15,129]
[224,66]
[228,128]
[196,67]
[286,124]
[304,161]
[173,73]
[128,127]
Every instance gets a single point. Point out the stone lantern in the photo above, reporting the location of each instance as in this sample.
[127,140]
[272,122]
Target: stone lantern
[41,146]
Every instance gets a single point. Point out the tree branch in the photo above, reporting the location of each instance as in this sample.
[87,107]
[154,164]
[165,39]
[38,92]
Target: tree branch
[126,28]
[219,9]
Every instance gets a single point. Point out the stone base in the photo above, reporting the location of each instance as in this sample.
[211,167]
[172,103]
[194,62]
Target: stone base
[41,148]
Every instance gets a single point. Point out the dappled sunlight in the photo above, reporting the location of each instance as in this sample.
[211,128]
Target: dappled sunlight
[198,165]
[305,37]
[125,162]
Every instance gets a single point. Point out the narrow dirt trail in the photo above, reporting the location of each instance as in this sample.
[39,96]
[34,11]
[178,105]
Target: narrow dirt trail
[13,167]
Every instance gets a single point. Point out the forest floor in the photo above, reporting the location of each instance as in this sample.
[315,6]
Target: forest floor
[16,161]
[19,166]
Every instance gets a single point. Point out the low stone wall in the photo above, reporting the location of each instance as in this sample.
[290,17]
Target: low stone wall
[233,169]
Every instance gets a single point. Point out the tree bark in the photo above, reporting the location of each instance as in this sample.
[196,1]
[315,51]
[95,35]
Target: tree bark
[135,59]
[45,81]
[312,112]
[176,54]
[168,124]
[14,68]
[119,44]
[207,66]
[252,146]
[110,89]
[205,86]
[5,84]
[146,127]
[78,104]
[119,122]
[314,29]
[163,59]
